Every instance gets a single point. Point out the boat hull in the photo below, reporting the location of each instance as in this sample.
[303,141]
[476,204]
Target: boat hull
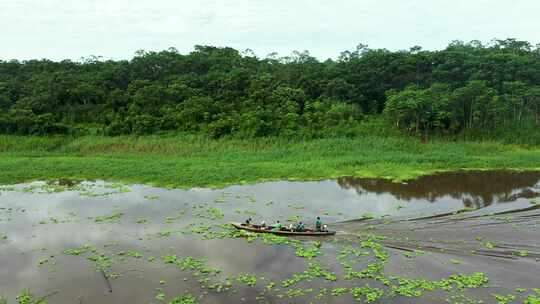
[258,229]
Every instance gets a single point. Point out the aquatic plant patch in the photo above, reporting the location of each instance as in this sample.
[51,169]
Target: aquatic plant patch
[185,299]
[27,297]
[108,218]
[313,271]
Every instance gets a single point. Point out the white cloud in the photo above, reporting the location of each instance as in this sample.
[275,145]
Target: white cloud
[60,29]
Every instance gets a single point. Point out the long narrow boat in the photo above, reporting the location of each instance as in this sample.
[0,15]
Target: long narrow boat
[283,231]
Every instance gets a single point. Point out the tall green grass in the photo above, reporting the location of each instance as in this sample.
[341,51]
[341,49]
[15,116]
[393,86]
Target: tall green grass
[186,161]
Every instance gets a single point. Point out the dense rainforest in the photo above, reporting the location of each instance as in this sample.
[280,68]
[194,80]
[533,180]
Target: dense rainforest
[469,89]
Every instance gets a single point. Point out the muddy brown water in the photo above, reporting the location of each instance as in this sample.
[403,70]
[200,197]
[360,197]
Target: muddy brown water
[499,238]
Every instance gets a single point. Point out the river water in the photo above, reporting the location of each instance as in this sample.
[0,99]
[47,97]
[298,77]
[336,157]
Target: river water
[133,227]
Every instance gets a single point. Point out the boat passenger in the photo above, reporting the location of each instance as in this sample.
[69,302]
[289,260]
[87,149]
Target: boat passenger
[263,224]
[318,224]
[290,227]
[248,222]
[277,226]
[300,227]
[325,227]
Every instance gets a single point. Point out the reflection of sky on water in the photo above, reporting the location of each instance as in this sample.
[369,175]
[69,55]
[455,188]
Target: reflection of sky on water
[334,201]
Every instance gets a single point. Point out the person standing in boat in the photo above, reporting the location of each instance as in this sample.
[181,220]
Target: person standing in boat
[318,224]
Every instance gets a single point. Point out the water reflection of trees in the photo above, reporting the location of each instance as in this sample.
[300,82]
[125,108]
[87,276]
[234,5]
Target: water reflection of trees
[475,189]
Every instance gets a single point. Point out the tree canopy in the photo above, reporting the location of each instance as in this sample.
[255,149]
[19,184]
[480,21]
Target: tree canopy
[219,91]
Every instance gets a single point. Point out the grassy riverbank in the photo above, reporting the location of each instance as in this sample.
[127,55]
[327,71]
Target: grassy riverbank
[180,161]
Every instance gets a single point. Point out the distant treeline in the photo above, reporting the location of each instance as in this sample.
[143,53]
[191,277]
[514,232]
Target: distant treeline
[467,88]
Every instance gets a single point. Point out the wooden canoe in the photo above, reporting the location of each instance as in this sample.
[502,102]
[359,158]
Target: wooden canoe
[283,231]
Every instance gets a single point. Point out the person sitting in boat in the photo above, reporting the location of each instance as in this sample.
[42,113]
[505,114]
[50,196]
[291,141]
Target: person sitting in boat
[277,226]
[290,227]
[300,227]
[248,222]
[318,224]
[263,224]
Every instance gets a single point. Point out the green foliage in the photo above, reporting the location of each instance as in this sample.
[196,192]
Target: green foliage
[101,261]
[108,218]
[366,293]
[468,89]
[307,251]
[533,298]
[248,279]
[501,299]
[474,280]
[141,221]
[130,253]
[189,263]
[313,270]
[298,292]
[489,245]
[339,291]
[214,213]
[160,296]
[185,161]
[26,297]
[81,250]
[474,109]
[185,299]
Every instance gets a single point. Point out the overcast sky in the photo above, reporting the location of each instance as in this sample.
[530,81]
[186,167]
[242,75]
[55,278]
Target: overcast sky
[60,29]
